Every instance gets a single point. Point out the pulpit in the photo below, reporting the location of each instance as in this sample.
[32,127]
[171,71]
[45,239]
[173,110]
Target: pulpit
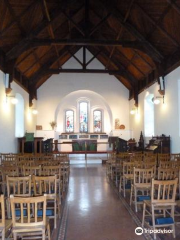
[34,146]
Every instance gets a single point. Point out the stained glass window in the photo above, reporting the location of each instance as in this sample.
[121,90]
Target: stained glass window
[97,118]
[83,106]
[69,121]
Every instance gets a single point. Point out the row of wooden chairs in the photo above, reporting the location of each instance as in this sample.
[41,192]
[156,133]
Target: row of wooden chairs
[35,186]
[158,197]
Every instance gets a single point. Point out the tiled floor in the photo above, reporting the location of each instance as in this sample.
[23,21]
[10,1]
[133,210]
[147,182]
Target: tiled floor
[94,211]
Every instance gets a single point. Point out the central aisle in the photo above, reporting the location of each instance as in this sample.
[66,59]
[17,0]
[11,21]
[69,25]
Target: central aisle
[94,210]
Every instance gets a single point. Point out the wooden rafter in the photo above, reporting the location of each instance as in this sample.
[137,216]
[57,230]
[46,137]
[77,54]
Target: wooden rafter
[150,49]
[133,49]
[166,34]
[160,20]
[4,31]
[24,44]
[16,19]
[120,31]
[174,5]
[35,78]
[102,21]
[50,28]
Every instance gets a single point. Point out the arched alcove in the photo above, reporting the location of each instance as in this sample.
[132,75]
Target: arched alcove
[19,116]
[148,116]
[72,100]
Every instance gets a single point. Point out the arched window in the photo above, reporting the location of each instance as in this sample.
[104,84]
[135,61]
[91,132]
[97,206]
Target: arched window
[97,121]
[69,118]
[149,116]
[19,116]
[83,116]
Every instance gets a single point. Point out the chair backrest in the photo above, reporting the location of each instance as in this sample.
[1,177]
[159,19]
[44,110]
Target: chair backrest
[163,157]
[45,185]
[128,167]
[32,170]
[166,164]
[142,175]
[167,173]
[2,211]
[163,191]
[51,171]
[10,171]
[19,186]
[25,211]
[152,158]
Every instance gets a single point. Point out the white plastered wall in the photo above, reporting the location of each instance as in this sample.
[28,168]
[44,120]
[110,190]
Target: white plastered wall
[62,91]
[166,115]
[8,141]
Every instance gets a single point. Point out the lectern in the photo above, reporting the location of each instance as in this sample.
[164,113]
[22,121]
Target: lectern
[36,145]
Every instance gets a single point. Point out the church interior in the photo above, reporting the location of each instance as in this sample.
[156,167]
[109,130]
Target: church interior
[90,119]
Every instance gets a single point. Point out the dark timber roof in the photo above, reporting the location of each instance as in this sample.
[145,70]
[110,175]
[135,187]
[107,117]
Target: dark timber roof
[137,41]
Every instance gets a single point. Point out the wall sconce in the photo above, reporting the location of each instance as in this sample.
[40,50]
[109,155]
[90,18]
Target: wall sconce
[34,111]
[156,100]
[13,99]
[133,111]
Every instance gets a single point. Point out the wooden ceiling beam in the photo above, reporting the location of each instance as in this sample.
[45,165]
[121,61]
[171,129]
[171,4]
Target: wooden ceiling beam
[133,81]
[73,22]
[121,30]
[174,5]
[95,56]
[35,78]
[160,20]
[150,49]
[73,55]
[166,34]
[16,19]
[102,21]
[86,18]
[4,31]
[134,50]
[96,71]
[25,44]
[50,28]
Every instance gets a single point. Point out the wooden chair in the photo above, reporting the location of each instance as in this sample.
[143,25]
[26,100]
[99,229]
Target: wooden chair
[162,200]
[27,222]
[47,185]
[17,186]
[2,217]
[140,189]
[127,176]
[8,171]
[5,225]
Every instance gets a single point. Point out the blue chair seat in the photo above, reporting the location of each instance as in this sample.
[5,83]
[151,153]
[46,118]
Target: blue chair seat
[49,213]
[142,198]
[163,220]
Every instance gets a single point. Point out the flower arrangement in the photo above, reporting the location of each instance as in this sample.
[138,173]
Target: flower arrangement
[53,124]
